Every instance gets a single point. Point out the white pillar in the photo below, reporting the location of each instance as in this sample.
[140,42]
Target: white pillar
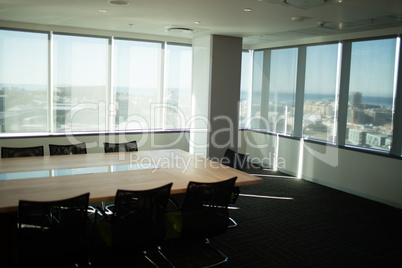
[216,94]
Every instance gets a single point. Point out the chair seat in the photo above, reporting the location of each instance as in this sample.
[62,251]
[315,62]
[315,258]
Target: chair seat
[104,230]
[175,219]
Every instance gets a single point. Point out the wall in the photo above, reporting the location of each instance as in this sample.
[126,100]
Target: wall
[364,174]
[145,141]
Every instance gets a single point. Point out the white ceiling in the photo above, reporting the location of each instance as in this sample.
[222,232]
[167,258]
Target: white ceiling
[268,20]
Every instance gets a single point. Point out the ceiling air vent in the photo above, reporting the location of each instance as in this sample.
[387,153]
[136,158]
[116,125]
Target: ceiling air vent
[118,2]
[179,29]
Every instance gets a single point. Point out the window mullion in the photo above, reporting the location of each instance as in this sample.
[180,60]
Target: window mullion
[164,84]
[265,91]
[396,145]
[344,92]
[300,83]
[111,102]
[50,85]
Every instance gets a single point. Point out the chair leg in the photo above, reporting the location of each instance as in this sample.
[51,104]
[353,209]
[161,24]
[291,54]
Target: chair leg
[160,252]
[163,255]
[234,223]
[225,258]
[149,259]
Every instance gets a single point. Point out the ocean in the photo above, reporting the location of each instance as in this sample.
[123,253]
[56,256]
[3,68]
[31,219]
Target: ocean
[286,97]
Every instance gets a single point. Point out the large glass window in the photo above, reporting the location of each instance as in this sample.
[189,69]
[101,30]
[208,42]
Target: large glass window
[320,93]
[67,83]
[23,81]
[80,83]
[282,90]
[178,86]
[137,84]
[371,94]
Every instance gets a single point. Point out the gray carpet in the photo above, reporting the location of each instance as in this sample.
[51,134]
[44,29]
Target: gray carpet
[287,222]
[295,223]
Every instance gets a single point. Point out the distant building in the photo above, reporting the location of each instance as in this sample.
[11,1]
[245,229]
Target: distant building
[359,116]
[357,136]
[375,140]
[356,99]
[380,117]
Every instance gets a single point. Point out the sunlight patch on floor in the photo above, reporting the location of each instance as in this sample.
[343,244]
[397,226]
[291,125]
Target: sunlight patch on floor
[267,196]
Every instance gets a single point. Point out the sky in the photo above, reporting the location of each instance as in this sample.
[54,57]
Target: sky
[83,61]
[371,72]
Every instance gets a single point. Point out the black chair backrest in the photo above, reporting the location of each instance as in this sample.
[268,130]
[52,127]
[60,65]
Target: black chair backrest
[80,148]
[234,159]
[138,218]
[205,208]
[120,147]
[52,231]
[9,152]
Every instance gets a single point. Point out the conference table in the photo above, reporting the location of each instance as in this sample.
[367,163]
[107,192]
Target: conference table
[47,178]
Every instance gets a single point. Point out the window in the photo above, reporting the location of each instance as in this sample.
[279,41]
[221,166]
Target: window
[361,94]
[371,94]
[62,83]
[137,84]
[282,90]
[245,88]
[80,87]
[320,93]
[23,82]
[178,86]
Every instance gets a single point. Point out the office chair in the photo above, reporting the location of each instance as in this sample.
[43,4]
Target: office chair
[69,149]
[137,222]
[9,152]
[79,148]
[120,147]
[234,159]
[52,232]
[204,213]
[238,161]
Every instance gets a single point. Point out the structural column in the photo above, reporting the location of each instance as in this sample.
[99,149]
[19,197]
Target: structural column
[216,94]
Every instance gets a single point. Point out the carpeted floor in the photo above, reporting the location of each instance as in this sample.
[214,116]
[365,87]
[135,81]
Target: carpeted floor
[302,224]
[287,222]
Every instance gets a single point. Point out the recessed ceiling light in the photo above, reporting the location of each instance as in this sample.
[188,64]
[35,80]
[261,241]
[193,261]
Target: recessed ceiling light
[102,11]
[118,2]
[197,22]
[247,9]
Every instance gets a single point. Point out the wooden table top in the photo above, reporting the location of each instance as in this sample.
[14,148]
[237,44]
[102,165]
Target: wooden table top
[158,167]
